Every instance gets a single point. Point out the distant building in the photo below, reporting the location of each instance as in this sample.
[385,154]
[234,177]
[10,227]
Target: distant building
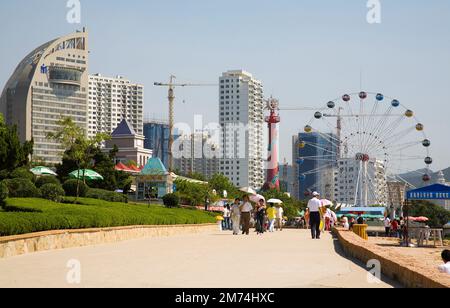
[49,84]
[130,144]
[315,158]
[157,139]
[287,178]
[241,106]
[111,100]
[371,188]
[441,180]
[196,153]
[396,194]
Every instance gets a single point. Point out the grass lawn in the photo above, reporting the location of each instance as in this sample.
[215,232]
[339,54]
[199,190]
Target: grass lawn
[22,216]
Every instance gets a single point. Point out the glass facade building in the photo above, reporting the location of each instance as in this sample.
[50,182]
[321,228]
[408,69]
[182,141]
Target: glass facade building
[157,139]
[315,163]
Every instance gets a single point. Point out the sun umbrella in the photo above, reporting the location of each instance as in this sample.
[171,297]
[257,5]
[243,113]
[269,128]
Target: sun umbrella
[257,198]
[248,190]
[326,202]
[275,201]
[42,171]
[86,174]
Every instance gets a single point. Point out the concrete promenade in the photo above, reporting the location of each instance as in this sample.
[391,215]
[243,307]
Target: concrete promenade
[218,260]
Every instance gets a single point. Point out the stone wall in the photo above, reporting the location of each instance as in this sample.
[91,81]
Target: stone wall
[22,244]
[407,271]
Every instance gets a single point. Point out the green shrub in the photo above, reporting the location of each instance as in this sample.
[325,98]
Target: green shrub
[22,188]
[70,188]
[52,192]
[171,200]
[4,192]
[22,173]
[48,179]
[4,174]
[28,215]
[106,195]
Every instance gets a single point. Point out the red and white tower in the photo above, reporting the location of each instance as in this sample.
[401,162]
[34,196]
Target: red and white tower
[273,170]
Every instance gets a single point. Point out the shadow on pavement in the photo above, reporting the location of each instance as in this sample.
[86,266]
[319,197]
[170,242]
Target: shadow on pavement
[338,249]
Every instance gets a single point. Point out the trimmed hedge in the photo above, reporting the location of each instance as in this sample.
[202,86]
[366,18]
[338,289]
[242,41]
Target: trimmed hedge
[52,192]
[47,179]
[22,188]
[4,192]
[22,173]
[70,188]
[34,215]
[171,200]
[106,195]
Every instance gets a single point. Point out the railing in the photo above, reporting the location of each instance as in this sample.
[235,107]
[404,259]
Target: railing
[361,231]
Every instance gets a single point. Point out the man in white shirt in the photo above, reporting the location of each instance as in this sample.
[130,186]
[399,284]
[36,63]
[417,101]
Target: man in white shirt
[445,268]
[387,226]
[314,206]
[279,219]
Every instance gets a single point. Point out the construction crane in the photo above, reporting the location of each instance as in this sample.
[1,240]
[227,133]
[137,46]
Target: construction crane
[172,85]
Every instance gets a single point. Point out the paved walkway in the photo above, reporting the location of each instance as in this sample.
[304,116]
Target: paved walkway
[281,260]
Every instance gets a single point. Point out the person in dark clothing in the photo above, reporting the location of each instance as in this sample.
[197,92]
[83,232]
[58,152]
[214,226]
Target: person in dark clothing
[261,216]
[314,206]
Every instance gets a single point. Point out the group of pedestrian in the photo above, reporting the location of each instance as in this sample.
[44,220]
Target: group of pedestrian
[394,228]
[319,217]
[238,217]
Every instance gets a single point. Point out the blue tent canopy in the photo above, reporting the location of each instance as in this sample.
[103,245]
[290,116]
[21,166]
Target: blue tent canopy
[433,192]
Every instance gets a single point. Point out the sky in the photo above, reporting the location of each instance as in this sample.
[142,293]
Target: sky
[305,52]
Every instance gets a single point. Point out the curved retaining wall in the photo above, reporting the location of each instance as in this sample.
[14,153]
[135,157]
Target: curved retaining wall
[11,246]
[408,272]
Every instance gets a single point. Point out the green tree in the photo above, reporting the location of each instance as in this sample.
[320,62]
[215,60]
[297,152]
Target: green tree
[220,183]
[13,153]
[196,176]
[79,148]
[194,194]
[291,206]
[437,215]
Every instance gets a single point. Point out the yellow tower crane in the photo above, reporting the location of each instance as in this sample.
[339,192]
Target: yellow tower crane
[172,85]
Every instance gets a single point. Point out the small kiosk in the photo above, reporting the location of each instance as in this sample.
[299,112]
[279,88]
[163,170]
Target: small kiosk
[429,193]
[154,181]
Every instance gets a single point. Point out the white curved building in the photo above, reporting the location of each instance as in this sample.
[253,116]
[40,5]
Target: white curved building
[50,83]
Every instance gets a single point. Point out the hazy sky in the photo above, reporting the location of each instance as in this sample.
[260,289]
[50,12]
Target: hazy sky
[305,52]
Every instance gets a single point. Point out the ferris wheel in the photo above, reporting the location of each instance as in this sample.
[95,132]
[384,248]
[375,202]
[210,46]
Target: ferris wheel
[367,139]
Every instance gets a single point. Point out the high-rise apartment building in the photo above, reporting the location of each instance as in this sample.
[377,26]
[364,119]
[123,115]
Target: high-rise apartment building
[112,100]
[241,117]
[196,153]
[49,84]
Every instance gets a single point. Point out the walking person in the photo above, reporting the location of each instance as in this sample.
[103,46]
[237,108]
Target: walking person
[260,217]
[246,210]
[227,217]
[279,218]
[387,226]
[236,216]
[307,216]
[395,227]
[271,215]
[315,206]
